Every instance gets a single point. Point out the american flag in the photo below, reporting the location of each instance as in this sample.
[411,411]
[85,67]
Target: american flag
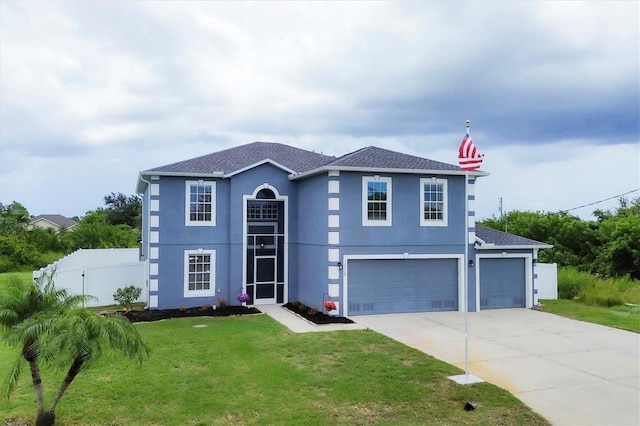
[468,155]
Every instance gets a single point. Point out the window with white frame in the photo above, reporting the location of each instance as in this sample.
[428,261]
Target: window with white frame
[200,208]
[433,205]
[376,201]
[199,273]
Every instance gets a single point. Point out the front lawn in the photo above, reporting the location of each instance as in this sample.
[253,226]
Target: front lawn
[624,317]
[252,370]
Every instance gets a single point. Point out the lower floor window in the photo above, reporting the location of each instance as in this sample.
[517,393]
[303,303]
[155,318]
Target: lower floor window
[199,273]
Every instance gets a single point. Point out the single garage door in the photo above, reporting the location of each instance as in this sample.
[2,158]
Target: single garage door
[502,283]
[402,285]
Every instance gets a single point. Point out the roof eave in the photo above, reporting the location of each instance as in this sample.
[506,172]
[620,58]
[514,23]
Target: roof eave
[323,169]
[260,163]
[491,246]
[142,182]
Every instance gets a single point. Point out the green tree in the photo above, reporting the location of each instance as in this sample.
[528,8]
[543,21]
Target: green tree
[14,218]
[48,326]
[27,312]
[95,231]
[123,210]
[619,239]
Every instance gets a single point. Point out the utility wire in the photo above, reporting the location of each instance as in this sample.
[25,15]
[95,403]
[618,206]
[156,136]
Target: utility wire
[601,201]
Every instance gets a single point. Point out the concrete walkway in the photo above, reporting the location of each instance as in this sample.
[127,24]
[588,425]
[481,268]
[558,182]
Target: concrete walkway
[571,372]
[297,324]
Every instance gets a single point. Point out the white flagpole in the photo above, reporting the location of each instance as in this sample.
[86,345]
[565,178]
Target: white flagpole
[466,267]
[466,378]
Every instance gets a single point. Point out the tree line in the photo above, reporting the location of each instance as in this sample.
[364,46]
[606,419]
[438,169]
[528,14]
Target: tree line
[22,247]
[608,246]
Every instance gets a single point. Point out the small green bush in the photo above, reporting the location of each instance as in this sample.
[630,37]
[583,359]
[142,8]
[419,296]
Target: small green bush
[127,295]
[571,281]
[595,291]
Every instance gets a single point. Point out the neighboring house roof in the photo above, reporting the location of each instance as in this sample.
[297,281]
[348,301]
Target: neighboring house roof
[54,220]
[298,162]
[488,239]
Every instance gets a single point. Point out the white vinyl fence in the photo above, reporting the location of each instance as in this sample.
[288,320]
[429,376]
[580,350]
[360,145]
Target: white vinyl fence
[99,273]
[546,282]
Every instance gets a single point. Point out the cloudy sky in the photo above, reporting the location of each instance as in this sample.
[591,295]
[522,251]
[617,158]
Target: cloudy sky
[93,92]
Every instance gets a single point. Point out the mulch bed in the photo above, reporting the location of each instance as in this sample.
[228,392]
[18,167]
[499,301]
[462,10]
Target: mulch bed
[318,317]
[147,315]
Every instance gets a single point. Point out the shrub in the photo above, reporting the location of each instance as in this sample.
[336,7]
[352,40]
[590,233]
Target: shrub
[205,307]
[571,281]
[127,295]
[222,302]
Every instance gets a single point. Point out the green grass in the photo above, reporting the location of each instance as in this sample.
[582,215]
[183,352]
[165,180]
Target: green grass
[597,291]
[623,317]
[252,370]
[23,276]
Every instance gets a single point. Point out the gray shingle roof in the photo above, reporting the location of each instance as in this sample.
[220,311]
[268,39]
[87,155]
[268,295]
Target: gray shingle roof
[299,160]
[237,158]
[499,238]
[374,157]
[57,219]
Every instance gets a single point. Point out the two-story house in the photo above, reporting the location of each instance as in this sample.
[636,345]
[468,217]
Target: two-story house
[375,231]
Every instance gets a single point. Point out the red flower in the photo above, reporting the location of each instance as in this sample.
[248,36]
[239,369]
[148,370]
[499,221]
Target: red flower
[329,305]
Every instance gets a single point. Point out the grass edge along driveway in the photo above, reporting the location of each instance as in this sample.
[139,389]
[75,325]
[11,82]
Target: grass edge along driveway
[253,370]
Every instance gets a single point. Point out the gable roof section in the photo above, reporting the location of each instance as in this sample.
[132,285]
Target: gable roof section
[55,219]
[372,159]
[488,239]
[232,160]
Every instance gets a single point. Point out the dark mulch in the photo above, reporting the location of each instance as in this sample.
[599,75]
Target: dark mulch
[318,317]
[147,315]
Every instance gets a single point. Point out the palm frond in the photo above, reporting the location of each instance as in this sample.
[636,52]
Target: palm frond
[12,378]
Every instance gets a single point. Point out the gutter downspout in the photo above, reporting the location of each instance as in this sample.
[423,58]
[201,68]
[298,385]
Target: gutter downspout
[145,246]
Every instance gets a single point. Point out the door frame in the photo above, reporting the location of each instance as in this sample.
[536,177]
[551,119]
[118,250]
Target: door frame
[245,232]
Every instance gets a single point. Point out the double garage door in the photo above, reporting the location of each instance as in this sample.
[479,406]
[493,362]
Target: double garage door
[383,286]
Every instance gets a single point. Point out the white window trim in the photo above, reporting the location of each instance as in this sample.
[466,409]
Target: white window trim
[212,274]
[365,200]
[445,211]
[187,203]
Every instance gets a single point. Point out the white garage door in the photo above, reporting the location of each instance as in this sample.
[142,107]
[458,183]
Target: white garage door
[402,285]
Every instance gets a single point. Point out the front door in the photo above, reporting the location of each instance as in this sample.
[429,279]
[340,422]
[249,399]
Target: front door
[265,252]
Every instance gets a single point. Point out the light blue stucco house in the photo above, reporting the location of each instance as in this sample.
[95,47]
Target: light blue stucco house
[375,231]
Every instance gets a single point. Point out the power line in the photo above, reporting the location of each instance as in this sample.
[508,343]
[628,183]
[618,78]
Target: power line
[600,201]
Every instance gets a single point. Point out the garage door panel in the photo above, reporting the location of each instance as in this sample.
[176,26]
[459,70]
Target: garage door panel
[502,283]
[402,285]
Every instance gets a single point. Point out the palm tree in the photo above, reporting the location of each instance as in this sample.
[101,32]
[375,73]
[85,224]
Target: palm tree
[80,338]
[50,328]
[37,303]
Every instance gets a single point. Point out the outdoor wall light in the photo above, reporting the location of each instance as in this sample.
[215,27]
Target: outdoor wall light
[261,243]
[340,265]
[471,263]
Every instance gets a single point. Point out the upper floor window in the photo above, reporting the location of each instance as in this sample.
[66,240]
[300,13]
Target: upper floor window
[199,273]
[376,201]
[200,203]
[433,202]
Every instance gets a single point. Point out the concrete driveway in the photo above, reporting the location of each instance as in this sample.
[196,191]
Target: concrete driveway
[571,372]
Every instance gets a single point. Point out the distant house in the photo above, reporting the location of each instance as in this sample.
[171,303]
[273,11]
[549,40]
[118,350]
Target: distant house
[57,222]
[374,230]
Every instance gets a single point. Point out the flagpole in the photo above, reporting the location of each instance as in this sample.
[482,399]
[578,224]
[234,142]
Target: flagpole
[467,152]
[466,267]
